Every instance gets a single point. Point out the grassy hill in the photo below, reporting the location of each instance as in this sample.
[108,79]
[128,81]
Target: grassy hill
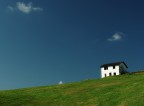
[124,90]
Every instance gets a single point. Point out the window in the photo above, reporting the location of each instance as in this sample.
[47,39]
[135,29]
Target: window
[105,68]
[109,74]
[113,67]
[105,75]
[114,73]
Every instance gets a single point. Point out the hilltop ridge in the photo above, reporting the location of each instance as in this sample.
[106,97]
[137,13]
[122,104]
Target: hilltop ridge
[123,90]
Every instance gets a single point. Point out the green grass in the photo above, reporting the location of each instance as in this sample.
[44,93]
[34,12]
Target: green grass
[124,90]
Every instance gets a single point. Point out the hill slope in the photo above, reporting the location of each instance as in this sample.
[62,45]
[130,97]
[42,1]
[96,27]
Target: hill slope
[124,90]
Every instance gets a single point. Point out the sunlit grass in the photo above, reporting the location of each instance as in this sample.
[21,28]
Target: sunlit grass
[124,90]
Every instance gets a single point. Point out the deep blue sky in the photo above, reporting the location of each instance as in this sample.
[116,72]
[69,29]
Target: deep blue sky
[43,42]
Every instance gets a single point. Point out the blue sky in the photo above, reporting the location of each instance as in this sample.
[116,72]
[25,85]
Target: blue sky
[45,42]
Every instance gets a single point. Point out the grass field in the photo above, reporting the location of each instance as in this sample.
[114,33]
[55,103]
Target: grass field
[123,90]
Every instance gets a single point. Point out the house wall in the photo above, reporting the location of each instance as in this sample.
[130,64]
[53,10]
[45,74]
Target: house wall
[109,70]
[123,68]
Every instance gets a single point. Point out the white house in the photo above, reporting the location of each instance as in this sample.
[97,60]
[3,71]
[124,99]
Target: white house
[112,69]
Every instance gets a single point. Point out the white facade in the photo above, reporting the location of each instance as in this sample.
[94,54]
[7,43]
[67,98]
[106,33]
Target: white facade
[113,70]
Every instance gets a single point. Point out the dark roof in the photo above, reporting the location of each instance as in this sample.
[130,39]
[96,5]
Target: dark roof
[115,63]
